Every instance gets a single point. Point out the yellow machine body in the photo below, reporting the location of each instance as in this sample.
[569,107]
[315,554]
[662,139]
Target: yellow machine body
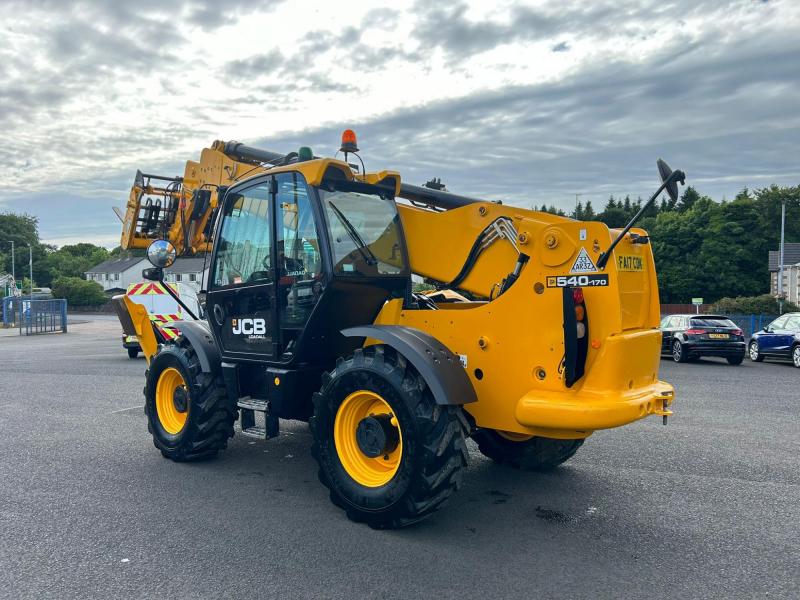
[515,343]
[512,344]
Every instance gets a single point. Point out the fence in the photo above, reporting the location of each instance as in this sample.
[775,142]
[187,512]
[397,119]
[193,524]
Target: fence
[35,316]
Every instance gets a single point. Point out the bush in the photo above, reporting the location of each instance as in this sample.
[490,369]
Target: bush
[79,292]
[753,305]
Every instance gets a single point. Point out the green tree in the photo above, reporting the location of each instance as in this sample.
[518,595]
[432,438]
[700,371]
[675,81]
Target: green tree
[613,217]
[688,199]
[74,260]
[588,212]
[764,304]
[79,292]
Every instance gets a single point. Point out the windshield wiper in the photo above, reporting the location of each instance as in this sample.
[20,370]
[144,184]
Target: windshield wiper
[362,247]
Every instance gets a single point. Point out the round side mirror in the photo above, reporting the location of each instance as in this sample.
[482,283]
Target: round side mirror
[161,254]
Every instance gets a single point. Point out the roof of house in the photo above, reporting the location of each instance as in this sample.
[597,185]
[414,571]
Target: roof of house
[116,265]
[187,265]
[791,256]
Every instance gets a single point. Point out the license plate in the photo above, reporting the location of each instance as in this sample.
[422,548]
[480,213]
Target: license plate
[718,336]
[577,281]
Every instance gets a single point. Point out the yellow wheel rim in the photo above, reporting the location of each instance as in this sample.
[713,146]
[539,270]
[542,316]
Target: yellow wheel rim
[512,436]
[171,419]
[367,471]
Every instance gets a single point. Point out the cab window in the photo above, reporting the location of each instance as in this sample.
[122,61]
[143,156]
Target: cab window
[299,258]
[244,245]
[365,232]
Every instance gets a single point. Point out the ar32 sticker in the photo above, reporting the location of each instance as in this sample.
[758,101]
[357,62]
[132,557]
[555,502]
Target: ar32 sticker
[557,281]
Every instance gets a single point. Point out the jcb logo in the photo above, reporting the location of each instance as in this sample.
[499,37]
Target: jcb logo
[249,326]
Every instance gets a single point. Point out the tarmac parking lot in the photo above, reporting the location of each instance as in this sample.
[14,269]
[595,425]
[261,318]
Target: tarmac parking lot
[707,507]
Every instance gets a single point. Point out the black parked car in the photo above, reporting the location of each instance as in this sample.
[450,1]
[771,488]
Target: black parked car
[685,337]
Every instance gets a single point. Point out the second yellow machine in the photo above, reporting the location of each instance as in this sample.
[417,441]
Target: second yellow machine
[540,330]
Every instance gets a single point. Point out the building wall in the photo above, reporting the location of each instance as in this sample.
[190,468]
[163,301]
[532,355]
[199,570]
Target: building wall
[194,279]
[791,282]
[121,280]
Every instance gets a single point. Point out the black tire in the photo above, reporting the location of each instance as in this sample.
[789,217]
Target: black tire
[679,354]
[735,360]
[133,353]
[433,452]
[534,454]
[796,355]
[754,351]
[209,416]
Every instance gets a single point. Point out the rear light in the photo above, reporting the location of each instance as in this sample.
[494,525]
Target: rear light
[580,312]
[737,332]
[581,330]
[577,295]
[694,331]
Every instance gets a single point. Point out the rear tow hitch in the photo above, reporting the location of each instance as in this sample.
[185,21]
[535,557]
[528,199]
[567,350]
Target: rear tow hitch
[665,412]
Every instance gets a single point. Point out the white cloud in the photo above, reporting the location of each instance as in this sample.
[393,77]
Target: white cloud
[526,101]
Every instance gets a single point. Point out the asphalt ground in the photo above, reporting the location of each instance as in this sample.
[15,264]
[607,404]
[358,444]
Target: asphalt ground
[706,507]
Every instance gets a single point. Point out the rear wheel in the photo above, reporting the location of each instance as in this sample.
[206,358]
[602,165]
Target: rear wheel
[387,452]
[133,352]
[188,412]
[755,352]
[735,360]
[679,354]
[529,453]
[796,355]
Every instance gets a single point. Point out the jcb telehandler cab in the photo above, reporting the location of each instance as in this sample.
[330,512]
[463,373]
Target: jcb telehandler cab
[311,316]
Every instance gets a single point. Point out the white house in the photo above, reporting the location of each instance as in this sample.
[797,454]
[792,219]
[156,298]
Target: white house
[117,274]
[192,271]
[791,271]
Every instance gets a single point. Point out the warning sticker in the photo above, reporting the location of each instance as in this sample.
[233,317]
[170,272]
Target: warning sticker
[583,264]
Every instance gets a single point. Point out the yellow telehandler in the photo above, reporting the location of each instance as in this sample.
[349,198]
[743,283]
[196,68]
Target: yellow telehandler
[539,330]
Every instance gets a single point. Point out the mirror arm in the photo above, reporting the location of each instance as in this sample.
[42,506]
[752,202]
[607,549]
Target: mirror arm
[676,175]
[157,274]
[178,300]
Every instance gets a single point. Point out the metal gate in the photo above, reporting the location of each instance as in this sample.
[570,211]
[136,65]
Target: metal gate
[35,316]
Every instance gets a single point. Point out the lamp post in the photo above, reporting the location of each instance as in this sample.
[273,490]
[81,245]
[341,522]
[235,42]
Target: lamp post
[30,265]
[12,261]
[780,264]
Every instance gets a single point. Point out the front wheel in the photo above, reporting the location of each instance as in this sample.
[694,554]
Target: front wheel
[387,452]
[796,356]
[679,354]
[755,352]
[188,413]
[529,453]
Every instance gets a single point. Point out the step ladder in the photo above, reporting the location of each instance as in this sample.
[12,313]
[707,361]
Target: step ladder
[248,407]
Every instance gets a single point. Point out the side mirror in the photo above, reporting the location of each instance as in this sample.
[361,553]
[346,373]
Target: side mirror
[665,172]
[161,254]
[153,274]
[767,329]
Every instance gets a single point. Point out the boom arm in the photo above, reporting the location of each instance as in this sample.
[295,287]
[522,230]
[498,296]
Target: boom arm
[182,209]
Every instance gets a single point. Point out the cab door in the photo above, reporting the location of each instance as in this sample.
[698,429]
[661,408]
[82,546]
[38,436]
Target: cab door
[770,341]
[241,301]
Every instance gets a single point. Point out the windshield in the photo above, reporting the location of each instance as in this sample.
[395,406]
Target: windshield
[712,322]
[365,234]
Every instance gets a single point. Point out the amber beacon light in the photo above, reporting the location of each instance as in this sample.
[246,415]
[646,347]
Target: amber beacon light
[349,143]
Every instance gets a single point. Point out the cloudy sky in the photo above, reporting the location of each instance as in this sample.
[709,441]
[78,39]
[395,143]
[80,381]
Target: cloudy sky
[525,102]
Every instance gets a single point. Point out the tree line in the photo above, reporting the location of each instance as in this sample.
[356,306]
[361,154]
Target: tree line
[62,269]
[703,248]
